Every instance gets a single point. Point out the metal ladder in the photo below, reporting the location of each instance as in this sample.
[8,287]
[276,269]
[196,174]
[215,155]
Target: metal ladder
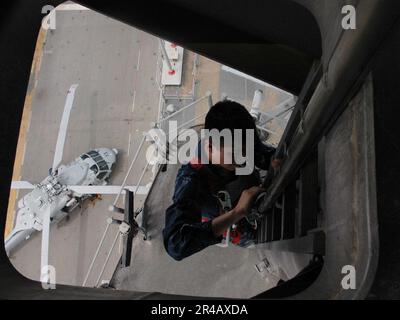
[291,223]
[291,219]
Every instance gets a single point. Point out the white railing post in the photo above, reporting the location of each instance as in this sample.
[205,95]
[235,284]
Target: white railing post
[210,101]
[166,58]
[112,208]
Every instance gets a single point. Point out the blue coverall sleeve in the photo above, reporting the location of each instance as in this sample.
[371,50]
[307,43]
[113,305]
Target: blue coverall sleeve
[184,233]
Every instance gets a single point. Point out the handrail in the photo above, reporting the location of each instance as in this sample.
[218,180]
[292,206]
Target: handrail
[128,173]
[185,108]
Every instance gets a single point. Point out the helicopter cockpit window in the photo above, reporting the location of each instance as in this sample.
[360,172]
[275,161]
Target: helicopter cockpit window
[85,156]
[94,168]
[101,175]
[102,165]
[93,153]
[97,158]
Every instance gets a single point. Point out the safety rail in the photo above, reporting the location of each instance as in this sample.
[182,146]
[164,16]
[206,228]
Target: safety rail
[132,193]
[208,96]
[290,218]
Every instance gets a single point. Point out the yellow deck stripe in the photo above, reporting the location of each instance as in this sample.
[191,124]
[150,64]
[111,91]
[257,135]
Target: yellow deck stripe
[26,117]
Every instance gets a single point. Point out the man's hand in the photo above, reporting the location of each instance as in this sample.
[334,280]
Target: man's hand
[246,200]
[224,221]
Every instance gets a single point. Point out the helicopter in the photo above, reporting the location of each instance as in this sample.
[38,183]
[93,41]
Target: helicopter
[64,189]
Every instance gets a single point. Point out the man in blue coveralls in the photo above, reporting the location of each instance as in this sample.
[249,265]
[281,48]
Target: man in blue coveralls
[196,220]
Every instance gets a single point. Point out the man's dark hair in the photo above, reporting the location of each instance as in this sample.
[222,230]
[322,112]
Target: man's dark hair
[229,115]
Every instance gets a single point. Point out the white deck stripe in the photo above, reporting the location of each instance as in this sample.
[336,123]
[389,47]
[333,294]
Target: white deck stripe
[160,106]
[134,101]
[44,252]
[138,62]
[129,144]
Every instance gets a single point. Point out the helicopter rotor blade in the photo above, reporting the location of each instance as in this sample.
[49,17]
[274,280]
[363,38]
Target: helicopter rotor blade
[62,133]
[105,190]
[21,185]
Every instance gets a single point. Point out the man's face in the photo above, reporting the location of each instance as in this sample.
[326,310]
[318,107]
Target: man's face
[222,156]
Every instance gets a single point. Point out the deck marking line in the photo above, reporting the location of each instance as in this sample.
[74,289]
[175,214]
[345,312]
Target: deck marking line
[134,100]
[138,62]
[129,143]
